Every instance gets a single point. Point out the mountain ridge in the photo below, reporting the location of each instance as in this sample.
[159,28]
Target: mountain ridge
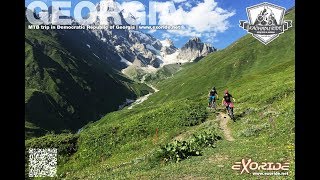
[67,85]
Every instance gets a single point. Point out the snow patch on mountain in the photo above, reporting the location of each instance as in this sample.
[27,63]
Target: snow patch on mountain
[118,48]
[104,39]
[171,58]
[125,61]
[166,43]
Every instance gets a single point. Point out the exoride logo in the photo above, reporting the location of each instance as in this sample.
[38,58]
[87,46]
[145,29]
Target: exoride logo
[247,166]
[266,22]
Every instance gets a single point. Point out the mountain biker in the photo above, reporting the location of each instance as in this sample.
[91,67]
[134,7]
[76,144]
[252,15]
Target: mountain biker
[213,95]
[227,100]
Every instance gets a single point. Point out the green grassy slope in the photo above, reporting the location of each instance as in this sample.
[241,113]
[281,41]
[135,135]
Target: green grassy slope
[164,72]
[66,86]
[124,144]
[167,71]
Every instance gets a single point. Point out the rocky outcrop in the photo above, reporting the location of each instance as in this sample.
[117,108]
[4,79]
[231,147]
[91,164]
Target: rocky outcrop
[195,49]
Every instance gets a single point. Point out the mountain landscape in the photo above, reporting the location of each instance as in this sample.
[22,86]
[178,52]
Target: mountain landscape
[126,105]
[67,84]
[74,77]
[172,134]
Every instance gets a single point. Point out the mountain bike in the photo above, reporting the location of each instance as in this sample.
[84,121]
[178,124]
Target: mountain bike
[213,104]
[230,111]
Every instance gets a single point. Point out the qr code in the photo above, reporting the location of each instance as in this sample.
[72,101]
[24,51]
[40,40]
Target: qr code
[42,162]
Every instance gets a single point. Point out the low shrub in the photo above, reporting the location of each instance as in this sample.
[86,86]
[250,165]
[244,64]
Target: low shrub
[179,150]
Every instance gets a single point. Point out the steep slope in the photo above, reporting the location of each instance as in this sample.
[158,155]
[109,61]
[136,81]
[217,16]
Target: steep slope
[67,85]
[123,144]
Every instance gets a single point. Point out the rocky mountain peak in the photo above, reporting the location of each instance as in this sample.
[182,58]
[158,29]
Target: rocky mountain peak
[193,43]
[196,39]
[195,49]
[168,47]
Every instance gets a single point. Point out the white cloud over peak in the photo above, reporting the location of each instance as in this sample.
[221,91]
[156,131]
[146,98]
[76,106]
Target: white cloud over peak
[166,35]
[204,16]
[203,19]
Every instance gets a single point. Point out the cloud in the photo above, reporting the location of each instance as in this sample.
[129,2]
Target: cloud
[203,19]
[166,36]
[210,37]
[187,4]
[152,31]
[179,1]
[136,9]
[170,36]
[133,5]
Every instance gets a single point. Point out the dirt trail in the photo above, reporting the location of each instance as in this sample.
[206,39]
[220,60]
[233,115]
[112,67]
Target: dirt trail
[223,119]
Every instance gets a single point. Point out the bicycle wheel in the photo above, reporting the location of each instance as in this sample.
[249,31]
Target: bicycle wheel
[230,112]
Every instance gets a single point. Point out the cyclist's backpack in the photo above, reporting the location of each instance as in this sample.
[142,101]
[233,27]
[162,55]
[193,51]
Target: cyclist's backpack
[213,92]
